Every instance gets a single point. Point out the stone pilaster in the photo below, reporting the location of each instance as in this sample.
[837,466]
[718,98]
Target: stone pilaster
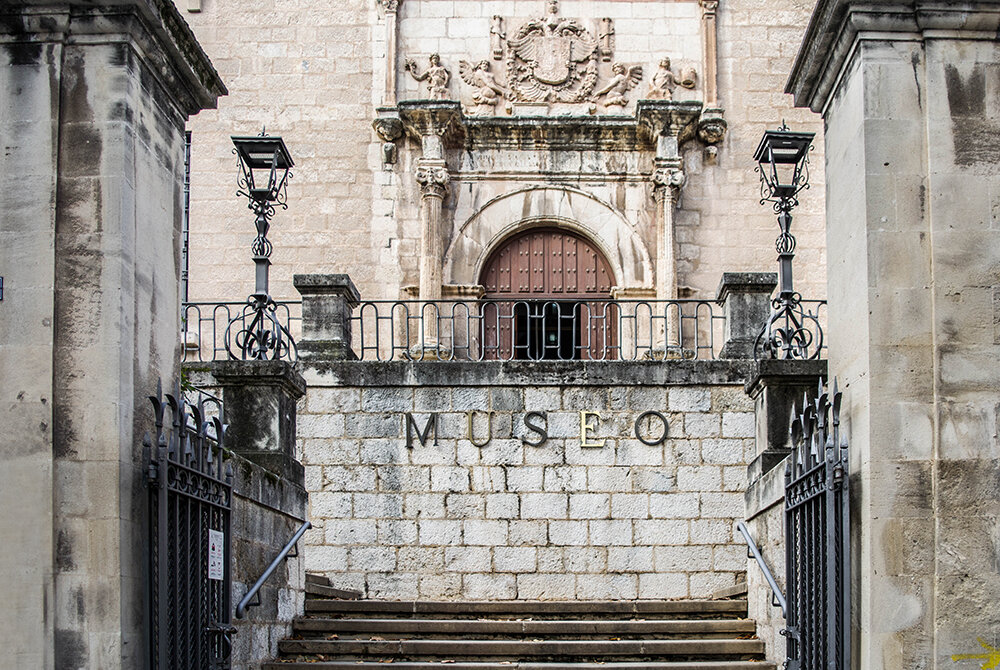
[391,9]
[709,51]
[912,137]
[94,100]
[327,304]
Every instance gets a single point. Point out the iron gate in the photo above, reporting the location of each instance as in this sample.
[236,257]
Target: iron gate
[817,539]
[190,496]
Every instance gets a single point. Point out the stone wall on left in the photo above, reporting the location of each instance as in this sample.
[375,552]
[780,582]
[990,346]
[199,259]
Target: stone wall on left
[94,101]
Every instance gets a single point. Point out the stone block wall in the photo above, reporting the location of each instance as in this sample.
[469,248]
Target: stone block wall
[507,520]
[267,511]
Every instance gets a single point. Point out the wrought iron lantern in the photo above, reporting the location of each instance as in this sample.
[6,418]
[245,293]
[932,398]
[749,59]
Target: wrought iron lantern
[783,162]
[264,165]
[783,165]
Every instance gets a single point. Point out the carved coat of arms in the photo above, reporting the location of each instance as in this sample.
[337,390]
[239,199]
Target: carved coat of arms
[551,60]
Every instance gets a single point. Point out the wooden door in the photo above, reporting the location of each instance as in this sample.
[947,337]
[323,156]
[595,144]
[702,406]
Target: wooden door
[547,297]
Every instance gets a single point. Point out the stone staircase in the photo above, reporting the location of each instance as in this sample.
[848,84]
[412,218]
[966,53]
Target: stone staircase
[339,630]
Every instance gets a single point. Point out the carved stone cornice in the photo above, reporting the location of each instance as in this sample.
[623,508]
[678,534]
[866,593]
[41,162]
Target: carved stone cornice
[421,118]
[837,27]
[433,178]
[155,30]
[668,117]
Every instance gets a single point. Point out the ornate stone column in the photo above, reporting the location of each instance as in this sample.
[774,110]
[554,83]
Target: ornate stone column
[668,178]
[391,8]
[432,175]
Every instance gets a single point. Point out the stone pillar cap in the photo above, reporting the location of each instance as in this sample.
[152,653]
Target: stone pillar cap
[746,282]
[326,284]
[271,373]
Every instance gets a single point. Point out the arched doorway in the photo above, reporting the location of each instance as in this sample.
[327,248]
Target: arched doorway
[547,298]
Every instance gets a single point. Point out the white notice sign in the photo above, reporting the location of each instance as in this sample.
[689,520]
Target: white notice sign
[215,554]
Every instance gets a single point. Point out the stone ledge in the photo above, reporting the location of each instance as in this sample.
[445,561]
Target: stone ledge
[164,40]
[535,373]
[836,24]
[788,371]
[266,489]
[766,492]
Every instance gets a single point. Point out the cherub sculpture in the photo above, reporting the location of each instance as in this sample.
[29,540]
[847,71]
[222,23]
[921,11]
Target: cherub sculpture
[436,75]
[664,82]
[488,91]
[624,80]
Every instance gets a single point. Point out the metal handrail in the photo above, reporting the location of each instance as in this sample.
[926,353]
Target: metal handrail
[241,608]
[753,551]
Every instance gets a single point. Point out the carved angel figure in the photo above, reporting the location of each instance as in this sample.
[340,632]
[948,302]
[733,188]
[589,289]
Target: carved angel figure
[664,82]
[488,91]
[623,81]
[436,75]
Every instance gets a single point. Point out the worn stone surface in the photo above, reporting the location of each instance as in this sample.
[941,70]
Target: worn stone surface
[913,255]
[94,103]
[451,517]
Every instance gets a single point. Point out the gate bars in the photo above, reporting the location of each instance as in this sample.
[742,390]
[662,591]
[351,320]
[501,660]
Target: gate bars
[190,499]
[817,539]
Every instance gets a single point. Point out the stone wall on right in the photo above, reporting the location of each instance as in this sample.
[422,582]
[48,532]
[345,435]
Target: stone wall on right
[909,96]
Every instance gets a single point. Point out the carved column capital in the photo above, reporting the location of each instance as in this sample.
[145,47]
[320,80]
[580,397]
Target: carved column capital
[433,180]
[667,182]
[709,6]
[389,6]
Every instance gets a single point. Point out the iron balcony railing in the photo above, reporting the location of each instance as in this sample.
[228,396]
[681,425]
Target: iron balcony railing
[481,330]
[204,324]
[478,330]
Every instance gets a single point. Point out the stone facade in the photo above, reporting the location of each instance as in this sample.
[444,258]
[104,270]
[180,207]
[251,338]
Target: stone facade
[322,79]
[447,519]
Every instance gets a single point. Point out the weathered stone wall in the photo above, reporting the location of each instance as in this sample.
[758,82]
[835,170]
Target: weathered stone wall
[93,110]
[507,520]
[317,75]
[914,248]
[765,519]
[267,511]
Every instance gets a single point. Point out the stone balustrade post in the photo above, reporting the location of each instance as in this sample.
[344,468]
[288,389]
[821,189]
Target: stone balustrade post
[258,399]
[746,303]
[328,300]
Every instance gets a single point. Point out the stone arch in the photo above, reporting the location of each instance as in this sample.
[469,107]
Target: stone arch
[552,206]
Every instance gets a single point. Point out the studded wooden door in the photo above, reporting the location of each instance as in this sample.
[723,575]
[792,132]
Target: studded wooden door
[547,297]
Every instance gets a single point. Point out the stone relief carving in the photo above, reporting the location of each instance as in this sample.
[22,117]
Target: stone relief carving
[436,75]
[487,90]
[433,180]
[668,181]
[551,59]
[664,81]
[623,81]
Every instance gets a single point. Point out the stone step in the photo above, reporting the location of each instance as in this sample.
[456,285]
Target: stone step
[562,609]
[729,649]
[739,589]
[441,665]
[324,591]
[313,578]
[514,628]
